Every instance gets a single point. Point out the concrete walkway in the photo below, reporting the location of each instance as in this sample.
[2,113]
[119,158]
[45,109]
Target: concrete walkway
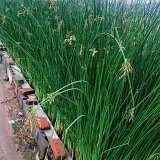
[7,146]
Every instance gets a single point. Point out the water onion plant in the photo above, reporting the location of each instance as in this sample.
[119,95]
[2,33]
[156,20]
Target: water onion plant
[97,65]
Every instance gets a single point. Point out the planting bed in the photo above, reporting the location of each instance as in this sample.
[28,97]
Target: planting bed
[95,69]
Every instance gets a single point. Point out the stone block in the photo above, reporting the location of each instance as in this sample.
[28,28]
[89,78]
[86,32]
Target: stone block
[58,149]
[42,144]
[43,123]
[25,85]
[9,74]
[18,81]
[21,98]
[26,108]
[26,91]
[32,101]
[50,133]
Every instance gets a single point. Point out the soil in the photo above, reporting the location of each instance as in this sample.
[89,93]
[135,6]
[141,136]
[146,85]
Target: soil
[16,141]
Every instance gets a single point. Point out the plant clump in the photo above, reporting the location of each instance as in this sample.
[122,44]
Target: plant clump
[95,65]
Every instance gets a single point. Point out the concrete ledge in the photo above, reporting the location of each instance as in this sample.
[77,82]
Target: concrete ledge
[21,98]
[51,133]
[5,55]
[43,144]
[41,140]
[16,70]
[18,81]
[4,58]
[26,108]
[25,85]
[9,74]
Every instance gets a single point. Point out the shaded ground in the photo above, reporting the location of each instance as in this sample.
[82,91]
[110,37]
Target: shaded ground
[16,140]
[7,146]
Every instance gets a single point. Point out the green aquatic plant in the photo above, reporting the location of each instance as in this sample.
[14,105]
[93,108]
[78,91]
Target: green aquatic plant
[107,54]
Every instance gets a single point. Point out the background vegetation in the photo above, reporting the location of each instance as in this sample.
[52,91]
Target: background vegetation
[107,55]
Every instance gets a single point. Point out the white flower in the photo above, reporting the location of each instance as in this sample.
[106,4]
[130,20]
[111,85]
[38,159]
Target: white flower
[70,39]
[93,51]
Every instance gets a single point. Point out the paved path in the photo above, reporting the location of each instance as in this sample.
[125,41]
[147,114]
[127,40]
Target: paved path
[7,146]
